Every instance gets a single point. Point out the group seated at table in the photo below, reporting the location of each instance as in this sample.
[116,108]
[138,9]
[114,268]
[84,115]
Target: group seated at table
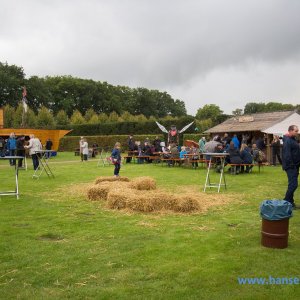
[239,160]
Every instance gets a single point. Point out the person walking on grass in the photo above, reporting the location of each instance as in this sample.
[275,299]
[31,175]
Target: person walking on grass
[291,162]
[116,159]
[33,146]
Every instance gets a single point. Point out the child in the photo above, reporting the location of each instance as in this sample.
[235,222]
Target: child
[116,159]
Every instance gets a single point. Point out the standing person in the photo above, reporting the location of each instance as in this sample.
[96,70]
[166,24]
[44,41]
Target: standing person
[80,147]
[11,146]
[156,144]
[48,147]
[116,159]
[20,150]
[131,146]
[202,142]
[33,146]
[275,144]
[291,162]
[2,146]
[85,150]
[236,142]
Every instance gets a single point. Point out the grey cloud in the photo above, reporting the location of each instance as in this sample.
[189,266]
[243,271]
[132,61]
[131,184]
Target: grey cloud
[156,44]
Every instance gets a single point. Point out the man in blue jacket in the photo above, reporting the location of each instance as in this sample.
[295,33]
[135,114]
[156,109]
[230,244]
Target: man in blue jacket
[291,162]
[11,146]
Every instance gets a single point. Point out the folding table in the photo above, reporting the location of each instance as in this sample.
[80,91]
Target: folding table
[43,164]
[208,183]
[16,191]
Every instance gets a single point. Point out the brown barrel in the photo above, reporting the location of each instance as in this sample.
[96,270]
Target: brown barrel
[274,234]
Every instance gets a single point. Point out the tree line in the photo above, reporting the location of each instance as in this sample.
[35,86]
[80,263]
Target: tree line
[65,100]
[68,93]
[44,118]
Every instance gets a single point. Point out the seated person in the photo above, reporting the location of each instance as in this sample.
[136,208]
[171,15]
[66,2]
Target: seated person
[147,152]
[174,153]
[140,153]
[195,152]
[183,152]
[246,157]
[165,150]
[235,157]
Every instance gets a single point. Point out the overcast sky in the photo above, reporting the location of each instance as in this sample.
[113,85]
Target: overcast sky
[226,52]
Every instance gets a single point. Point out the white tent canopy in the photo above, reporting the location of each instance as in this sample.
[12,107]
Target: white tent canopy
[281,128]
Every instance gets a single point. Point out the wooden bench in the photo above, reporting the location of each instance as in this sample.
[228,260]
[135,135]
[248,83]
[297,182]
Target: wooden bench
[135,157]
[233,169]
[173,160]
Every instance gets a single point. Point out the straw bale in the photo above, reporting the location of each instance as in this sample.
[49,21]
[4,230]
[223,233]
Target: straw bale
[118,198]
[143,183]
[186,203]
[98,192]
[110,179]
[150,201]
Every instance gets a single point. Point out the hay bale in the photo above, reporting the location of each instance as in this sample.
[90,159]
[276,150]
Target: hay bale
[97,192]
[143,183]
[151,201]
[118,198]
[100,191]
[186,203]
[110,179]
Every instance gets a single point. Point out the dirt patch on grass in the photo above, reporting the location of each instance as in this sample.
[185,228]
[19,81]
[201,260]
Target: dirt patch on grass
[51,237]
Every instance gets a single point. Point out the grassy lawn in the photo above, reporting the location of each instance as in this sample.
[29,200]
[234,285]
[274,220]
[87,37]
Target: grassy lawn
[57,245]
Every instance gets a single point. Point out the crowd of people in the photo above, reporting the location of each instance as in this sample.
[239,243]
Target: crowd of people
[17,146]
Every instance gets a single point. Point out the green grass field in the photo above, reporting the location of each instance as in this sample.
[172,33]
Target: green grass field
[57,245]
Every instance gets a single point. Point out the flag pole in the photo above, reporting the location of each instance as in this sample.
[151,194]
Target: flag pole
[24,103]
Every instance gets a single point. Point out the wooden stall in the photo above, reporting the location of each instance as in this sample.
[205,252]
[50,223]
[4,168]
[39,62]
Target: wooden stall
[41,134]
[257,125]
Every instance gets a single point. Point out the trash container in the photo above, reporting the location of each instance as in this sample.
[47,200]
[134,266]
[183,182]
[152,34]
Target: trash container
[275,223]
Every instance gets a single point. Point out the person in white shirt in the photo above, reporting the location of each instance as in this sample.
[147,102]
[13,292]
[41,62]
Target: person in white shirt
[33,146]
[81,141]
[85,150]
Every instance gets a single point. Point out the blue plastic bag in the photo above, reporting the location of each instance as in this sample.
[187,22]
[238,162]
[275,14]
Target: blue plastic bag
[274,210]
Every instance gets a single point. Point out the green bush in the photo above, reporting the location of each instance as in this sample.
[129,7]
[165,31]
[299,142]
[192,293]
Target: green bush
[70,143]
[120,128]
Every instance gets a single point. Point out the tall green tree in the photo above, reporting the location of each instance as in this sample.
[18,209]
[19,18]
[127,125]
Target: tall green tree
[77,118]
[8,113]
[45,118]
[12,79]
[209,111]
[62,118]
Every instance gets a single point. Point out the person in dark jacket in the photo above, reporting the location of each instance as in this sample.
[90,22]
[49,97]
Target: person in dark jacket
[20,150]
[156,144]
[48,146]
[275,144]
[291,162]
[2,146]
[131,146]
[234,156]
[116,159]
[246,157]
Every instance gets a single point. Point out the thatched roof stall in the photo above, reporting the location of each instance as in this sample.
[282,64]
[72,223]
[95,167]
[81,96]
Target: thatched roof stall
[258,125]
